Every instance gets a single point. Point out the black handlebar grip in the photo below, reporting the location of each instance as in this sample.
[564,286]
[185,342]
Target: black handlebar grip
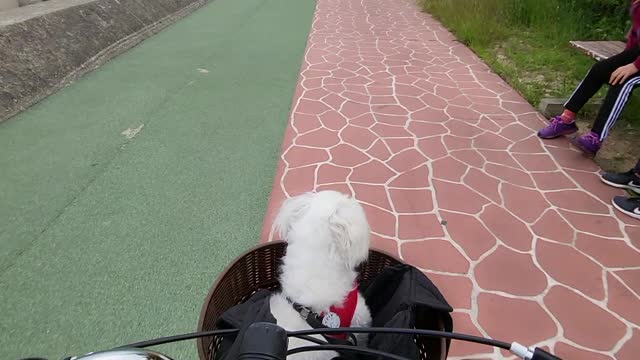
[264,341]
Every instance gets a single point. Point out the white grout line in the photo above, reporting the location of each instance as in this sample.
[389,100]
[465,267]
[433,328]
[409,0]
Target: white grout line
[408,29]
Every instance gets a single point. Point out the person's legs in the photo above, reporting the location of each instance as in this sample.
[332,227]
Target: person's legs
[609,113]
[599,74]
[613,105]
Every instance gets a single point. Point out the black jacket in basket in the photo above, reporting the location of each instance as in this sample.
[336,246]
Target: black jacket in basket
[399,297]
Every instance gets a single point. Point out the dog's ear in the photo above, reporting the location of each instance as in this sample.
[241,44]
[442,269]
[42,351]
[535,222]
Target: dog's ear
[291,211]
[350,231]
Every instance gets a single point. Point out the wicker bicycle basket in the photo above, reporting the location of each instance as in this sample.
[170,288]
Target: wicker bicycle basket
[258,269]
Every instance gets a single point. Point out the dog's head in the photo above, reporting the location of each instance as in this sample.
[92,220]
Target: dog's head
[326,221]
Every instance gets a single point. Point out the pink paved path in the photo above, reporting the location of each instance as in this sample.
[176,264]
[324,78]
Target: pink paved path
[391,108]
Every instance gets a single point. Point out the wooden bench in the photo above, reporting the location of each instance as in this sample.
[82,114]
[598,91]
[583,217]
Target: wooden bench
[599,50]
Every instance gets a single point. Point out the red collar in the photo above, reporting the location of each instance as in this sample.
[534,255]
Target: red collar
[346,310]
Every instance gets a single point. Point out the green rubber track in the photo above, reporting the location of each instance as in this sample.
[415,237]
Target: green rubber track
[106,240]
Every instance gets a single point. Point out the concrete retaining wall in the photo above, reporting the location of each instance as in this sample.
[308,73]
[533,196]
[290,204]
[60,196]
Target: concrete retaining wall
[47,45]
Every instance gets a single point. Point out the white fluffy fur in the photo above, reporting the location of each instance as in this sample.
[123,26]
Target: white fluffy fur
[328,237]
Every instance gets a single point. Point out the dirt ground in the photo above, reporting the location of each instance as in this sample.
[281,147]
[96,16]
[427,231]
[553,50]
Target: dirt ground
[621,150]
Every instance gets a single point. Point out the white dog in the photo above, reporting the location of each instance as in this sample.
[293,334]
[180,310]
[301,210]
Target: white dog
[328,237]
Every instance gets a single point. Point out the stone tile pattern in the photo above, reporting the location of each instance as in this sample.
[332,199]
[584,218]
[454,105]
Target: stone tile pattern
[442,153]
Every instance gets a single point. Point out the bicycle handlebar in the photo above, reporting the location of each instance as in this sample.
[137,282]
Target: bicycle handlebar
[268,341]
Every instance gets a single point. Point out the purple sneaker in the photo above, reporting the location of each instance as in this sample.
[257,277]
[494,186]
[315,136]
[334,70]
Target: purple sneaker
[557,128]
[589,143]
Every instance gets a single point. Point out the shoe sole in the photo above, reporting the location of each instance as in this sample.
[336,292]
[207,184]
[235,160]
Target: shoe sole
[635,216]
[620,186]
[557,136]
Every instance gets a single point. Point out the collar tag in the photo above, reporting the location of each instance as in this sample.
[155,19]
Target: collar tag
[331,320]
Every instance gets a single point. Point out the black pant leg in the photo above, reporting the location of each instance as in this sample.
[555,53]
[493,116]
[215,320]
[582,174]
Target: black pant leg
[613,105]
[599,75]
